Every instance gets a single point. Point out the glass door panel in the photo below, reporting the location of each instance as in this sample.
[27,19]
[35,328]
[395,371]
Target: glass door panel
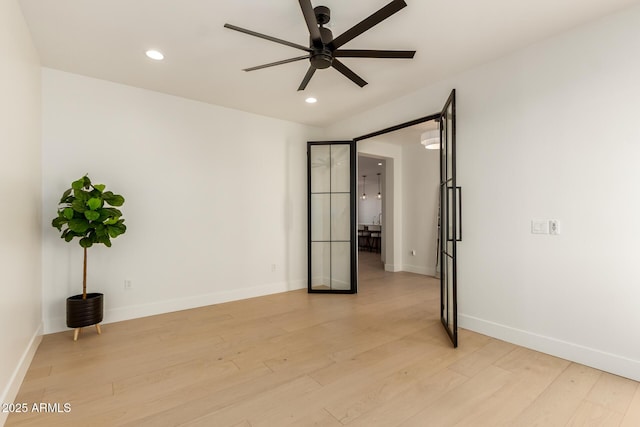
[341,169]
[320,158]
[331,217]
[320,211]
[341,266]
[341,217]
[320,265]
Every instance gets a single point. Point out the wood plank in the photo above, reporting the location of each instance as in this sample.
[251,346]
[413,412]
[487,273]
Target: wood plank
[558,403]
[613,392]
[591,414]
[632,417]
[456,404]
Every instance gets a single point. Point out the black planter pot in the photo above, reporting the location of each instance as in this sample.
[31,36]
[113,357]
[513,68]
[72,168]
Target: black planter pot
[84,312]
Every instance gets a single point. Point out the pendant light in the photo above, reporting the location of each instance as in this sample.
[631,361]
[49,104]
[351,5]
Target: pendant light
[431,139]
[364,185]
[379,194]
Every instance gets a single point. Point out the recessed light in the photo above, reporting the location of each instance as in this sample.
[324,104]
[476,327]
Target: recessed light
[311,100]
[379,163]
[154,54]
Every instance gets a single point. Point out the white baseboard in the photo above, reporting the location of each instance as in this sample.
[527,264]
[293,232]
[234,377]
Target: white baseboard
[160,307]
[392,268]
[11,390]
[594,358]
[427,271]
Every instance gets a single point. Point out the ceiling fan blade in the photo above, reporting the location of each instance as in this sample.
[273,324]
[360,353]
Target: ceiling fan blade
[272,64]
[266,37]
[359,53]
[368,23]
[346,71]
[312,23]
[307,77]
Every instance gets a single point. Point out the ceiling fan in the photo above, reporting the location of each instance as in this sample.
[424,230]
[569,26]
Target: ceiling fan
[324,50]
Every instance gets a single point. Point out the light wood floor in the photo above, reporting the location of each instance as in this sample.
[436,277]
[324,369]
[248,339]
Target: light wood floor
[378,358]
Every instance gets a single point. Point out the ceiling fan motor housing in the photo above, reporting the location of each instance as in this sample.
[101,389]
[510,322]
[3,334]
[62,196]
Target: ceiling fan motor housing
[321,58]
[323,14]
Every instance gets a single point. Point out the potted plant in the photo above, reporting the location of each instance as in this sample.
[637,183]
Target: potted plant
[89,213]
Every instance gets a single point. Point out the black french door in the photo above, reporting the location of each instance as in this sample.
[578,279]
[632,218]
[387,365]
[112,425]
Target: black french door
[450,219]
[331,207]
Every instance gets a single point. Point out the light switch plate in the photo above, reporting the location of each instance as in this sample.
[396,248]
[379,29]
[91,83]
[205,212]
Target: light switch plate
[554,226]
[539,226]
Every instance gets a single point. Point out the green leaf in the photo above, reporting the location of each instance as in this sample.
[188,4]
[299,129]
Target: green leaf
[77,185]
[68,200]
[59,222]
[64,196]
[68,235]
[94,203]
[81,195]
[105,240]
[91,215]
[86,242]
[101,230]
[110,213]
[68,213]
[100,187]
[116,200]
[78,206]
[87,182]
[112,221]
[116,229]
[79,225]
[113,199]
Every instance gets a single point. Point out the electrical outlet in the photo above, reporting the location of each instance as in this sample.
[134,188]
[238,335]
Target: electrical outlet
[273,268]
[128,285]
[554,226]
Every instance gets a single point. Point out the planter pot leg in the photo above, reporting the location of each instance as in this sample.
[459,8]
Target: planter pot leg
[98,329]
[76,332]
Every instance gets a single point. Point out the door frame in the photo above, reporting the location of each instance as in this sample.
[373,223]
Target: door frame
[353,188]
[450,220]
[353,251]
[453,334]
[390,250]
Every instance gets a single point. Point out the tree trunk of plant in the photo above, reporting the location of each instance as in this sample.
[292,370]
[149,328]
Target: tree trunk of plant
[84,276]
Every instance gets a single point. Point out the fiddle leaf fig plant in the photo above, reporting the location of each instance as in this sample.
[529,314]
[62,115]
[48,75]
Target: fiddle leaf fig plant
[90,213]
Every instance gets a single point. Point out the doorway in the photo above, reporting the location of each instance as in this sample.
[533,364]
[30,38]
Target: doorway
[370,211]
[409,199]
[330,274]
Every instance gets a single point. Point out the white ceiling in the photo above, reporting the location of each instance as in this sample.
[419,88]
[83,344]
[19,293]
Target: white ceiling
[107,40]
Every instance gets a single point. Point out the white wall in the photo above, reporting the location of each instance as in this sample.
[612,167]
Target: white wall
[20,191]
[420,177]
[369,209]
[214,198]
[548,132]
